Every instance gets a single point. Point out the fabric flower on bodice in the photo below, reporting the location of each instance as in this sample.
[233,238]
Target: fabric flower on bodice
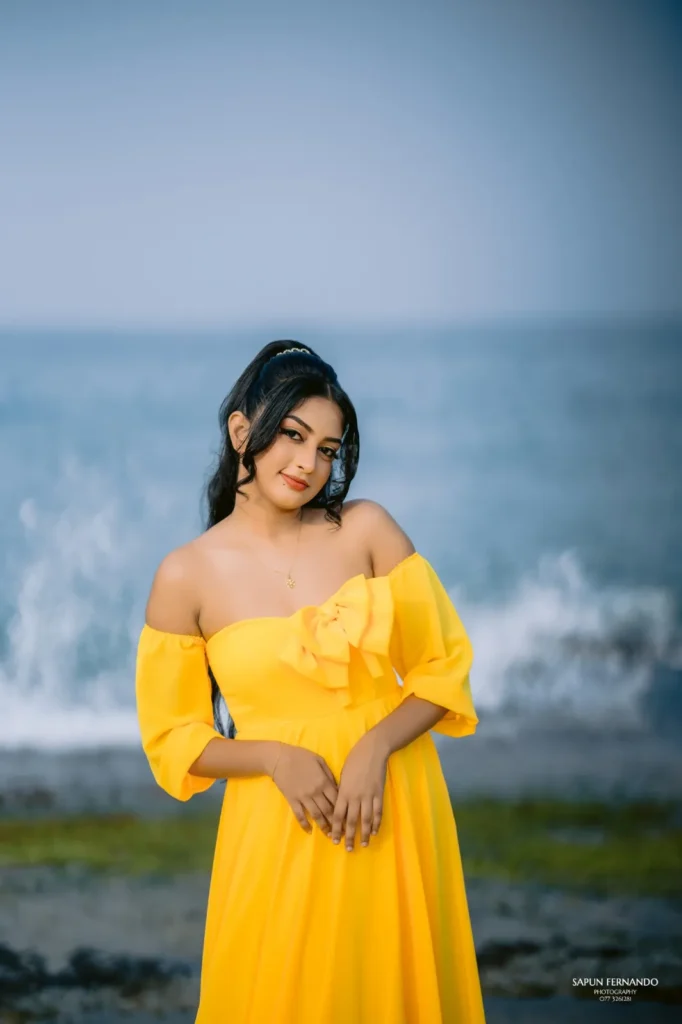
[359,615]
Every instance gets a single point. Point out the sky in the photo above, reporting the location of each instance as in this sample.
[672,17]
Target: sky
[215,164]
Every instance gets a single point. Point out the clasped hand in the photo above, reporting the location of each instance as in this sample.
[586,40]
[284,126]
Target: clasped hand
[309,785]
[361,793]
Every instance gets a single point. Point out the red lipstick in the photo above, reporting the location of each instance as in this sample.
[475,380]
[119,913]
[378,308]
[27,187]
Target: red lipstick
[294,483]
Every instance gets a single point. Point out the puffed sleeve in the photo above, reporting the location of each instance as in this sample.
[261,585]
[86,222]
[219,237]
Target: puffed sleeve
[174,709]
[429,646]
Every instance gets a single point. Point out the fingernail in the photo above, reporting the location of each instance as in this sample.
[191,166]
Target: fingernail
[364,844]
[335,842]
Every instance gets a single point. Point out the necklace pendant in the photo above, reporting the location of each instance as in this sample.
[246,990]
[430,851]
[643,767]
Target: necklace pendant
[290,582]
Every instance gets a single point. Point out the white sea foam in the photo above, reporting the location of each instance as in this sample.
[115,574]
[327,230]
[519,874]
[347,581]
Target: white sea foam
[563,648]
[558,648]
[66,671]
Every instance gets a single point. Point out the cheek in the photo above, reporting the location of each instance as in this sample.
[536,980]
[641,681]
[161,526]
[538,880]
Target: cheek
[275,456]
[268,463]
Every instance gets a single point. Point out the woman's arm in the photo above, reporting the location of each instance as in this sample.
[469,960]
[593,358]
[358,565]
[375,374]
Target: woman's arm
[410,719]
[228,758]
[389,544]
[173,607]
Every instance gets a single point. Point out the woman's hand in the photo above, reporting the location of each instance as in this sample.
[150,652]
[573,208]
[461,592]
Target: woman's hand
[361,791]
[308,783]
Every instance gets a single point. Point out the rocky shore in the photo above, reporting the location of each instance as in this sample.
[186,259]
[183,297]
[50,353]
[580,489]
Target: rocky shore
[74,943]
[90,933]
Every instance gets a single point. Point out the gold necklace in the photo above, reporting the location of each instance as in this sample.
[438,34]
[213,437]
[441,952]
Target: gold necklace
[290,581]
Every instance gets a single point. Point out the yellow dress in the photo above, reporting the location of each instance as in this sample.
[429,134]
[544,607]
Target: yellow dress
[299,930]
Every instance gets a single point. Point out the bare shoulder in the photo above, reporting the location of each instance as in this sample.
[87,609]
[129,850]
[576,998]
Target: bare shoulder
[172,605]
[387,542]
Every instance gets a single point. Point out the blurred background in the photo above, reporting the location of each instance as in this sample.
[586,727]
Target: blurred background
[472,210]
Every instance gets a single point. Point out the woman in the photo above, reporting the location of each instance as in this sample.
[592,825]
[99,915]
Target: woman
[337,893]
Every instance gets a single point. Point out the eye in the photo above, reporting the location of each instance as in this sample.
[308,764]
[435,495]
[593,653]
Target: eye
[289,431]
[330,453]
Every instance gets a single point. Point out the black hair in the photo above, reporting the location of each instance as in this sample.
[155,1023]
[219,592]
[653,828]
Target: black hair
[268,390]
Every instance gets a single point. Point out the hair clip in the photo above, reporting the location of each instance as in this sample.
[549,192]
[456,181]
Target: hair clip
[288,350]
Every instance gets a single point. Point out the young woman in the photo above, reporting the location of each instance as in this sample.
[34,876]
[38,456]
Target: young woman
[337,892]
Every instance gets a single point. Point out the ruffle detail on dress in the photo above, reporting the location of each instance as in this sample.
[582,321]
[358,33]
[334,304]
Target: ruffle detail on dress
[359,615]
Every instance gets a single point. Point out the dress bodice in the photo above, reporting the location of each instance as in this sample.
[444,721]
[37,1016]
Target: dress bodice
[322,660]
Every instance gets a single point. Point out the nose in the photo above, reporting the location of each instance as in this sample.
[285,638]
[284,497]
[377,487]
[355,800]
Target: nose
[306,459]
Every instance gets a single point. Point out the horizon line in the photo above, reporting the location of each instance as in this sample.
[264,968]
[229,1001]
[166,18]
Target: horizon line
[284,324]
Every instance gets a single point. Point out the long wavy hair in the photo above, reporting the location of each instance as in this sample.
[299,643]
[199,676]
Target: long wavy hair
[267,391]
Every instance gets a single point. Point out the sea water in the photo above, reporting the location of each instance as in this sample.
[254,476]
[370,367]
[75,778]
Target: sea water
[537,467]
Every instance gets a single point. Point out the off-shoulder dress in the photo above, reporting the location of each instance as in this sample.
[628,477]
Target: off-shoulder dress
[299,930]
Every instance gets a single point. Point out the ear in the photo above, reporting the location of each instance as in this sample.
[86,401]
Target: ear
[238,426]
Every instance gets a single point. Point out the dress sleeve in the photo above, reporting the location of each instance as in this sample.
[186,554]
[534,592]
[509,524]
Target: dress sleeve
[429,647]
[174,708]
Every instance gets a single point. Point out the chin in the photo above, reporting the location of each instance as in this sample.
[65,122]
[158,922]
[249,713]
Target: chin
[291,499]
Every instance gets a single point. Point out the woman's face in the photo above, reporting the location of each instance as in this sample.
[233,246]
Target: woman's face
[305,448]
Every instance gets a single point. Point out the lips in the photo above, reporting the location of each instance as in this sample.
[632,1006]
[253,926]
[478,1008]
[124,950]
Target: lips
[297,485]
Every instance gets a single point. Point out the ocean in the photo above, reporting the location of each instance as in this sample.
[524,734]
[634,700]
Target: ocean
[538,467]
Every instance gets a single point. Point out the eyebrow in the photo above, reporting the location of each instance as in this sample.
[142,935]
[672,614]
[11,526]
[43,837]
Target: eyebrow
[309,429]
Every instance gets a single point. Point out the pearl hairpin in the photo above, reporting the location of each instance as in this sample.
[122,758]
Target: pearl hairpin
[288,350]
